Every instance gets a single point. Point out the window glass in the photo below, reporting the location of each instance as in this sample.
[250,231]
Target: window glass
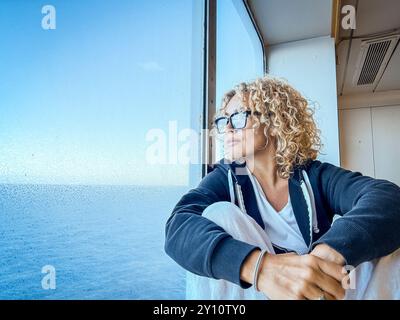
[239,50]
[92,111]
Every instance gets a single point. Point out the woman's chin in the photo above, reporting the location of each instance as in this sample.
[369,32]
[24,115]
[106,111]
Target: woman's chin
[232,156]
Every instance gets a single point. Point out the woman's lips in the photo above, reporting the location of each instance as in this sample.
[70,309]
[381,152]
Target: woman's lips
[231,142]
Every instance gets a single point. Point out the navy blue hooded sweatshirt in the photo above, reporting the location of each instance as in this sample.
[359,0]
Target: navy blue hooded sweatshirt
[369,227]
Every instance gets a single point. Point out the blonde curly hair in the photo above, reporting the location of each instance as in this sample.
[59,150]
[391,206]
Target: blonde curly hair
[285,112]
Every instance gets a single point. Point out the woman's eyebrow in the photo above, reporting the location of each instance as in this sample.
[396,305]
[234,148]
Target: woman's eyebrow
[239,109]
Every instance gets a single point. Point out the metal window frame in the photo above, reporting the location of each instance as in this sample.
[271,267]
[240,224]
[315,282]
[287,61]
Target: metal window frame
[258,32]
[210,66]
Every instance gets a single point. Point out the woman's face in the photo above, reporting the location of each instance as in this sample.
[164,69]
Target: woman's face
[242,143]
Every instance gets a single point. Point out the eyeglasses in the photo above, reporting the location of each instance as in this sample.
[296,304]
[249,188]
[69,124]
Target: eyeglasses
[238,120]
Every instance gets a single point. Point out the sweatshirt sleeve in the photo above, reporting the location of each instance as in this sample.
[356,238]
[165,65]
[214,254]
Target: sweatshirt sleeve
[198,244]
[370,208]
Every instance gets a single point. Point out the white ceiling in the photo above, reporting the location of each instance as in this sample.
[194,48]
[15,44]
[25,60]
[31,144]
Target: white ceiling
[377,16]
[290,20]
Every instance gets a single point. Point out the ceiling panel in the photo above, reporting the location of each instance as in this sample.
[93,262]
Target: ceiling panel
[377,16]
[287,20]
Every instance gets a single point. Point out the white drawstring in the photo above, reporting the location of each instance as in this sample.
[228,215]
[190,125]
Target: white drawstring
[240,198]
[231,191]
[312,202]
[238,192]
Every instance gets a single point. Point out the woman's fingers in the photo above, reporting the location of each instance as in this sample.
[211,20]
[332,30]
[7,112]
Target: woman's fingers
[334,270]
[311,283]
[329,296]
[312,292]
[324,275]
[330,285]
[305,286]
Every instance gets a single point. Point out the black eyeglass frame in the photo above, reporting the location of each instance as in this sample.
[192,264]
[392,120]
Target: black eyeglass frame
[229,119]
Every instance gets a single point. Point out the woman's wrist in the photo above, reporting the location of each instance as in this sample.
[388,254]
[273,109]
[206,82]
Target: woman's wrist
[257,267]
[247,269]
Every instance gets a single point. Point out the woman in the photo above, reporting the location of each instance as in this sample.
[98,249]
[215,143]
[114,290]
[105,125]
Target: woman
[262,224]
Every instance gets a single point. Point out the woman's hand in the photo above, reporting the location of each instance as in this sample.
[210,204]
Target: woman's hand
[327,253]
[290,276]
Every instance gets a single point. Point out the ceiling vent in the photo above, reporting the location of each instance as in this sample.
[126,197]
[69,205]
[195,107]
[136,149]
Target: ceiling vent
[373,59]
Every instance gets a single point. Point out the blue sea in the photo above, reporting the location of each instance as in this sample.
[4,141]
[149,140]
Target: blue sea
[104,242]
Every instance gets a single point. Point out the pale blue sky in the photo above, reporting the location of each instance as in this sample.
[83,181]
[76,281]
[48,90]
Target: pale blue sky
[76,102]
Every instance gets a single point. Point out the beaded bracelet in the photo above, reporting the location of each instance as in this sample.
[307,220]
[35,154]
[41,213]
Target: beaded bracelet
[257,267]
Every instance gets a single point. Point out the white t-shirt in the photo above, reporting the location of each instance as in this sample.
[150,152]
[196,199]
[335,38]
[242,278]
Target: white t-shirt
[281,227]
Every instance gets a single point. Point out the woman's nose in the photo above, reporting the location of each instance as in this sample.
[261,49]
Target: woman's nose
[229,127]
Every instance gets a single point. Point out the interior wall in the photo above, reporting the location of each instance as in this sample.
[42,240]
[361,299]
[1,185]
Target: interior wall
[310,66]
[370,135]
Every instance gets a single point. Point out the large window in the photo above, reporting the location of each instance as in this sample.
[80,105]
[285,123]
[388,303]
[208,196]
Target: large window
[92,111]
[240,55]
[239,49]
